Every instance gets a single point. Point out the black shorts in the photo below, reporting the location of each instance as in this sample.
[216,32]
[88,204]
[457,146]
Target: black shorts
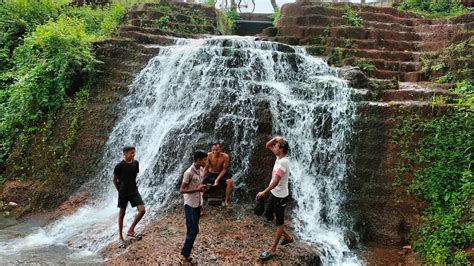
[210,178]
[135,200]
[275,209]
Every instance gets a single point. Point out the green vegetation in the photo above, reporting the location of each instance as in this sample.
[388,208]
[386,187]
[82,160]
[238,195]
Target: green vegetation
[438,169]
[364,65]
[434,9]
[182,20]
[226,21]
[336,56]
[276,16]
[211,2]
[98,22]
[18,18]
[348,43]
[322,38]
[46,48]
[163,22]
[449,64]
[77,109]
[352,17]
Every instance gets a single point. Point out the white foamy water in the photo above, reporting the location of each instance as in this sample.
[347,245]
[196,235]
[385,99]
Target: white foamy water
[200,90]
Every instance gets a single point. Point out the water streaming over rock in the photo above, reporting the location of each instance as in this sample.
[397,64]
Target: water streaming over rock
[200,90]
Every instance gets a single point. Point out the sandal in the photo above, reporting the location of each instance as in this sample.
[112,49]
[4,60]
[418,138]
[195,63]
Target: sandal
[192,261]
[135,235]
[122,244]
[286,242]
[188,260]
[266,255]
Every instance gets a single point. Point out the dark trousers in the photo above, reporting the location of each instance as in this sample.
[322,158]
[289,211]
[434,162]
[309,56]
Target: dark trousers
[192,228]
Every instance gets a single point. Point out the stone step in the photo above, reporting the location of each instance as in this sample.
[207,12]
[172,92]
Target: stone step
[397,75]
[339,9]
[426,85]
[182,28]
[115,87]
[466,18]
[183,7]
[409,106]
[172,17]
[121,76]
[434,28]
[395,65]
[145,38]
[462,36]
[329,21]
[371,44]
[429,46]
[112,49]
[144,14]
[382,17]
[388,26]
[412,95]
[376,14]
[390,11]
[348,32]
[152,31]
[256,16]
[403,56]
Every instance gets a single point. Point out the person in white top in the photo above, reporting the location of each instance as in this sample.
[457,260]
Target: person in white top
[191,188]
[278,190]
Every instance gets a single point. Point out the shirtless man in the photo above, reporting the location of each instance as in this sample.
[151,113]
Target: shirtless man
[216,172]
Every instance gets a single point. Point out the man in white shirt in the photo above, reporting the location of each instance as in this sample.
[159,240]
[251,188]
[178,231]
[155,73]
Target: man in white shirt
[191,188]
[278,190]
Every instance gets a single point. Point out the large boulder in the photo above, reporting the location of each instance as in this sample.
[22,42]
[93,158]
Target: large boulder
[355,77]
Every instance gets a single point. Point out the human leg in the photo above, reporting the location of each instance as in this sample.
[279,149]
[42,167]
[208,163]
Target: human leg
[136,201]
[192,229]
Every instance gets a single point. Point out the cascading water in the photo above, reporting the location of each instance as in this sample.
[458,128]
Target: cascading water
[200,90]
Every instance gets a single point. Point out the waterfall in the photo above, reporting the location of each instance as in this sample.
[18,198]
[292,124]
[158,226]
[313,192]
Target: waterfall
[201,90]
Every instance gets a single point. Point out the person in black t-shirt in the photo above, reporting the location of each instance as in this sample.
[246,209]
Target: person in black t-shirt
[125,181]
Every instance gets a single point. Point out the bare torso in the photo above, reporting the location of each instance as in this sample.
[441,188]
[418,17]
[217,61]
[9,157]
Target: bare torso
[217,162]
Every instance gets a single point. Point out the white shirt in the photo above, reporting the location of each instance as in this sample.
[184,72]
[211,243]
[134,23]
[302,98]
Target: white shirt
[282,168]
[192,177]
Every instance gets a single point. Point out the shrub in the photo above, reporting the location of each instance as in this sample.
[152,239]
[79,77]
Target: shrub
[437,8]
[276,16]
[352,17]
[47,62]
[441,163]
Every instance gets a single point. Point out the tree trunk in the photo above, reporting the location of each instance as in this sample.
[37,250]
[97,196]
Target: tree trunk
[274,5]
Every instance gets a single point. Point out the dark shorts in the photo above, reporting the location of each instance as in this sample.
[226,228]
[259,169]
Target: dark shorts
[134,199]
[275,209]
[210,178]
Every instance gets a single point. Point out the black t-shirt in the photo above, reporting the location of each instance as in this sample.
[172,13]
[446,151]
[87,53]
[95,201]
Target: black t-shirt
[127,176]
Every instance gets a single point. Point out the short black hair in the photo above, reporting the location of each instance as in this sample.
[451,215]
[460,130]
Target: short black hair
[199,155]
[128,148]
[215,143]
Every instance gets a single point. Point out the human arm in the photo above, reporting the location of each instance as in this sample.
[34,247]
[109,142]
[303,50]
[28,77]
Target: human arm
[271,143]
[115,176]
[275,181]
[184,185]
[115,180]
[206,168]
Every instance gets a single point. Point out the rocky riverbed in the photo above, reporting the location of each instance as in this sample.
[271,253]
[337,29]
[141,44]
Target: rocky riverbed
[224,238]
